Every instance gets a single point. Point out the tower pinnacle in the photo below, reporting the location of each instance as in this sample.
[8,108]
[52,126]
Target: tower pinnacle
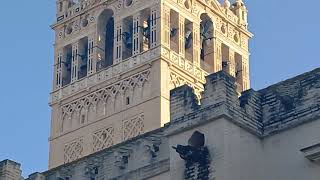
[227,4]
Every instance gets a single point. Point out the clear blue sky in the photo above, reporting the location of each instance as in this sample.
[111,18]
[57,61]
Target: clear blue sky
[286,43]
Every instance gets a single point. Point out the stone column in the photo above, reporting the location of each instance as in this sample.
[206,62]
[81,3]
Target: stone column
[196,44]
[100,50]
[232,68]
[245,72]
[91,59]
[58,68]
[137,34]
[118,40]
[74,62]
[165,26]
[181,36]
[155,26]
[217,64]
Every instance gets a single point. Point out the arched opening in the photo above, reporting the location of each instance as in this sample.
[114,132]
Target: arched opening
[239,72]
[66,68]
[225,58]
[109,42]
[83,57]
[174,30]
[188,35]
[207,43]
[127,33]
[105,39]
[146,30]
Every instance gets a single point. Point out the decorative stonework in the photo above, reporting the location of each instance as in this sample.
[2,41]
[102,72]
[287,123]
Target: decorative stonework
[89,103]
[177,81]
[149,156]
[244,41]
[133,127]
[103,138]
[104,75]
[76,9]
[73,150]
[184,64]
[91,87]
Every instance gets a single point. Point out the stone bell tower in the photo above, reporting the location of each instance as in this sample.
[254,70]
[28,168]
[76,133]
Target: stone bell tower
[117,60]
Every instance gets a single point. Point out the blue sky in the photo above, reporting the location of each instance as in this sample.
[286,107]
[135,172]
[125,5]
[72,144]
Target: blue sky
[285,44]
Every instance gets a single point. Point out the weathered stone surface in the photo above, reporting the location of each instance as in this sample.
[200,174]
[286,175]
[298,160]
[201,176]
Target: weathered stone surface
[259,122]
[10,170]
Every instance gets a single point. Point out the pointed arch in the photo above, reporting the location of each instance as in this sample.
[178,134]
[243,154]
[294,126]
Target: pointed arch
[105,33]
[207,47]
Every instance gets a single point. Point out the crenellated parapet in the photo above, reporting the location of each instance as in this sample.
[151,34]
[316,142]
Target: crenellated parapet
[166,153]
[219,99]
[291,102]
[36,176]
[264,112]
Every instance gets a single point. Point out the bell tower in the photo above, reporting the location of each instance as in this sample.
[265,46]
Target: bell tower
[117,60]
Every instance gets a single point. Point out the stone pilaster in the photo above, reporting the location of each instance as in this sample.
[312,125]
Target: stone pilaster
[91,56]
[232,69]
[181,36]
[118,40]
[58,68]
[137,34]
[217,55]
[75,62]
[165,40]
[245,73]
[155,26]
[196,44]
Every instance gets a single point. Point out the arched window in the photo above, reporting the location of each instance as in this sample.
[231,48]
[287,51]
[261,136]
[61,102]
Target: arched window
[66,68]
[105,39]
[83,57]
[225,58]
[174,30]
[188,42]
[207,43]
[127,33]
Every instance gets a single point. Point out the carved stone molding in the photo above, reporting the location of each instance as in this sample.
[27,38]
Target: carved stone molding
[88,103]
[133,127]
[177,81]
[184,64]
[102,139]
[104,75]
[73,150]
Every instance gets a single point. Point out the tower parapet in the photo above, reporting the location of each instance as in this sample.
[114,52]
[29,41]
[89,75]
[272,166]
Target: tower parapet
[265,112]
[10,170]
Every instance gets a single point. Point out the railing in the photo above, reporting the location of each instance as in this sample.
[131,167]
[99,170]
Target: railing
[125,66]
[184,64]
[104,74]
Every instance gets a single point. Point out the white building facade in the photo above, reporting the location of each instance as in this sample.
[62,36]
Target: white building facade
[268,134]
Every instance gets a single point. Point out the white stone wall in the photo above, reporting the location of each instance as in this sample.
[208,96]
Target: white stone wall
[235,153]
[238,154]
[283,158]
